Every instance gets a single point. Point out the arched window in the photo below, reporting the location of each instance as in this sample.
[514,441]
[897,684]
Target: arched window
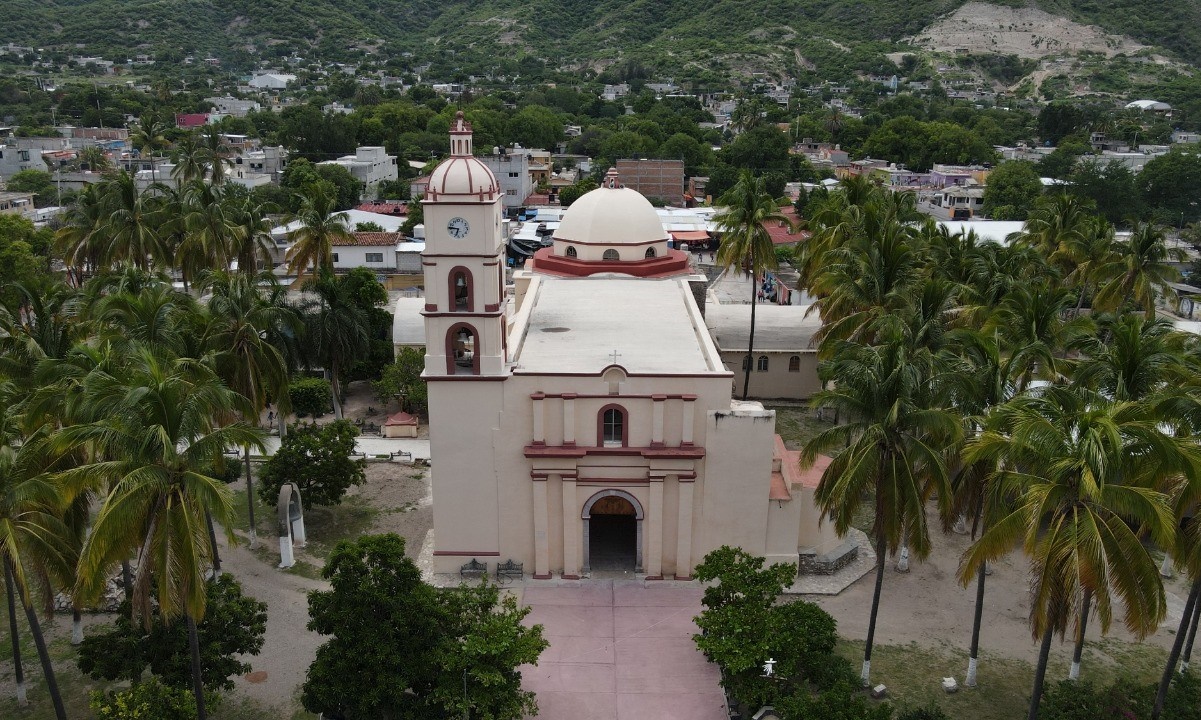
[570,251]
[762,363]
[794,363]
[612,428]
[462,290]
[462,350]
[611,254]
[650,252]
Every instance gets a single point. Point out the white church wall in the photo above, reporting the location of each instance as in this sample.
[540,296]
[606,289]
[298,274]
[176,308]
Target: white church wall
[738,445]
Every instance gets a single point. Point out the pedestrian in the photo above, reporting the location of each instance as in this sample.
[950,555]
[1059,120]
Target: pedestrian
[270,416]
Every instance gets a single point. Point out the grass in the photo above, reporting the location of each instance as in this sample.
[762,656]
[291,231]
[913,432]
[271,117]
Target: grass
[797,425]
[914,673]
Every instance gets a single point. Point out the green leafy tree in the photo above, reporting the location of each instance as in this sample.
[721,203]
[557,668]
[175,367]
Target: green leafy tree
[402,380]
[1112,187]
[535,126]
[318,459]
[38,182]
[1012,189]
[23,256]
[573,192]
[410,661]
[1169,184]
[762,148]
[233,627]
[368,226]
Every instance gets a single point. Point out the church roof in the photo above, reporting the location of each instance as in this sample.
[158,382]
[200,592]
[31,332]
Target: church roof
[575,325]
[611,216]
[777,327]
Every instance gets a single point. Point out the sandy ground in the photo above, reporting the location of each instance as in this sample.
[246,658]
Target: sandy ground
[927,606]
[402,494]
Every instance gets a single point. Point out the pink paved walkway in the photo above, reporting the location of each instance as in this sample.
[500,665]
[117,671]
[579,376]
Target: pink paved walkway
[620,650]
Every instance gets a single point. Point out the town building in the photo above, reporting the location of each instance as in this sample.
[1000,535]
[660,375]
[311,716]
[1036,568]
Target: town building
[372,250]
[271,81]
[512,171]
[370,165]
[663,179]
[582,420]
[17,203]
[233,107]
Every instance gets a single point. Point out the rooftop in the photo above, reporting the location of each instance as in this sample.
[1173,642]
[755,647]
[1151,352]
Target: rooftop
[777,327]
[383,239]
[576,324]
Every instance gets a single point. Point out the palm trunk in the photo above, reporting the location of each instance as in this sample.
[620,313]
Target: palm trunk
[1192,635]
[865,674]
[1074,672]
[22,701]
[903,556]
[127,581]
[197,682]
[1040,674]
[1170,669]
[76,626]
[254,533]
[1165,567]
[974,652]
[35,628]
[750,345]
[208,520]
[333,388]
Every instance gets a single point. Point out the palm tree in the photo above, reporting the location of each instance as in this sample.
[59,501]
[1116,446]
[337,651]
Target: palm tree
[893,450]
[251,243]
[1030,321]
[1086,252]
[148,137]
[209,230]
[191,160]
[79,240]
[162,427]
[94,157]
[1084,472]
[34,541]
[217,154]
[132,231]
[1055,222]
[244,357]
[312,242]
[1141,272]
[336,330]
[747,208]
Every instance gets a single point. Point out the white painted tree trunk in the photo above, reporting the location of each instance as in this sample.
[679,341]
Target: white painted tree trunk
[970,680]
[22,699]
[1074,671]
[1165,568]
[960,527]
[903,558]
[866,674]
[76,630]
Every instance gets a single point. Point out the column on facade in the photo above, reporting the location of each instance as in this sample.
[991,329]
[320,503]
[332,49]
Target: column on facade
[654,527]
[689,419]
[539,418]
[541,523]
[571,529]
[569,419]
[684,532]
[659,404]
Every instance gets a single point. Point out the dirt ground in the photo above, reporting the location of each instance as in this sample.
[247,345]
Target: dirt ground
[361,407]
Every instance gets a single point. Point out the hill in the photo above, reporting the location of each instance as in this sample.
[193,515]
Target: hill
[673,35]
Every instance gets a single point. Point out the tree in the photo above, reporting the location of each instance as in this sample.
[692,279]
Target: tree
[758,149]
[337,328]
[412,660]
[402,380]
[1169,184]
[535,126]
[1140,272]
[1012,189]
[746,244]
[233,627]
[318,459]
[368,226]
[1084,472]
[320,227]
[1112,187]
[149,137]
[573,192]
[20,259]
[680,146]
[162,428]
[894,445]
[38,182]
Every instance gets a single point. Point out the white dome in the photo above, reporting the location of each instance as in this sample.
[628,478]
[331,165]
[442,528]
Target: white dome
[611,216]
[462,176]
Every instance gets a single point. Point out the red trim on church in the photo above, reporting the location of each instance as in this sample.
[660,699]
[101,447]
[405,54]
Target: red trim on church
[675,262]
[693,452]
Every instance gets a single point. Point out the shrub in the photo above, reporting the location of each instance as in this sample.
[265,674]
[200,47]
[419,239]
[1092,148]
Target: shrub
[309,396]
[150,700]
[929,712]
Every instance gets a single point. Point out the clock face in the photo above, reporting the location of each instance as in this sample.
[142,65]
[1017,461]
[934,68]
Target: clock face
[457,227]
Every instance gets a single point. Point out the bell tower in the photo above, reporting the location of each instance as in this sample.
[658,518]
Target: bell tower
[465,328]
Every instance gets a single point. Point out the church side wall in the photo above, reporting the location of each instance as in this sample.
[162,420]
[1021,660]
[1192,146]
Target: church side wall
[737,480]
[776,381]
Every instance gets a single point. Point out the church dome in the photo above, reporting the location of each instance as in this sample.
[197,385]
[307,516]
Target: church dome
[462,176]
[611,215]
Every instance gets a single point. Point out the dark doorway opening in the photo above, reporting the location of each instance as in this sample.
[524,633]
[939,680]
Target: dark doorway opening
[613,536]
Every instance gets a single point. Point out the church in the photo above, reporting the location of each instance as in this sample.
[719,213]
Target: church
[581,417]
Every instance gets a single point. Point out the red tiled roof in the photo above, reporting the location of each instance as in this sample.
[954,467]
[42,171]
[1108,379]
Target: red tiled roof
[401,418]
[373,239]
[385,208]
[191,120]
[537,199]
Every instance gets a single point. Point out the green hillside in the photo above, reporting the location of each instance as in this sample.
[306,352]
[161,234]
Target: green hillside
[672,33]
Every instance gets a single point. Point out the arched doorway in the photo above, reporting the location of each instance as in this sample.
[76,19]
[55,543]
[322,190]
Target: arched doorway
[612,532]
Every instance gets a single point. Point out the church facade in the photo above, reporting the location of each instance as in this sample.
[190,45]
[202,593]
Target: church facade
[581,419]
